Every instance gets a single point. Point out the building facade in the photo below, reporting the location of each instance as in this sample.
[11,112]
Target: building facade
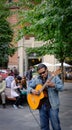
[20,59]
[24,60]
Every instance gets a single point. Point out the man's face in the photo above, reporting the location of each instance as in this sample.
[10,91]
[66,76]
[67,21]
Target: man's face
[43,72]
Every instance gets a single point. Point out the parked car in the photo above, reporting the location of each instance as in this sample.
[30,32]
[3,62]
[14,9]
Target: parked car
[4,73]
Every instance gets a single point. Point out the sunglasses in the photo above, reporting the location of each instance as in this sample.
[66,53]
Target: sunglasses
[42,72]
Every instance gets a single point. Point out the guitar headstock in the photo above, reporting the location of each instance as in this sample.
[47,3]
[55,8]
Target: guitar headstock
[57,72]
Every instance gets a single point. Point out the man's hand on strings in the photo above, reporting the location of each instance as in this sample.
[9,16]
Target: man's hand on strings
[35,92]
[50,84]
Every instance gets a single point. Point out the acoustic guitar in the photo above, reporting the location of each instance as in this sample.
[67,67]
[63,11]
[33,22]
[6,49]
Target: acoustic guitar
[34,101]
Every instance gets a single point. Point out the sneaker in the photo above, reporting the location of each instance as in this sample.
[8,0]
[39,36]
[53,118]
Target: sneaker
[20,106]
[15,107]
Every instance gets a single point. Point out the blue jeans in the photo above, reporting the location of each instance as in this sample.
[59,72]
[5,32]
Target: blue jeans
[49,114]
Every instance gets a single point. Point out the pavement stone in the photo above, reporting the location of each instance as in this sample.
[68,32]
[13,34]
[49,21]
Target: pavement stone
[26,119]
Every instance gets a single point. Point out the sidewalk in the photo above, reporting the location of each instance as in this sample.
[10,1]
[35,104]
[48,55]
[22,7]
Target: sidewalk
[66,107]
[23,119]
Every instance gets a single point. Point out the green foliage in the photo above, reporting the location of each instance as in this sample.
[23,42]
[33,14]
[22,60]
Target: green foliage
[5,32]
[6,35]
[6,48]
[4,9]
[49,20]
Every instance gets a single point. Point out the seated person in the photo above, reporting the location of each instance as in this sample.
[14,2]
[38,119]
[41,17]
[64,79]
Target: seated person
[9,79]
[24,85]
[23,89]
[2,91]
[15,92]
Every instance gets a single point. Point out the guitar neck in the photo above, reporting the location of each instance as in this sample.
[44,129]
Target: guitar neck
[48,80]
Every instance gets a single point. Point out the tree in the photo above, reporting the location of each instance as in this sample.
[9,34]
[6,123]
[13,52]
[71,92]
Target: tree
[49,21]
[6,35]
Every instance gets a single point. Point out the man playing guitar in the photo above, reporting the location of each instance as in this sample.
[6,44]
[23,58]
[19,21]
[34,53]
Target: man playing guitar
[49,109]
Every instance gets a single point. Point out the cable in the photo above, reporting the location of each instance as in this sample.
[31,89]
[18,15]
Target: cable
[34,117]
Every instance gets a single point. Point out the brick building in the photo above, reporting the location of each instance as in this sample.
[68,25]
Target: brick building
[13,61]
[20,59]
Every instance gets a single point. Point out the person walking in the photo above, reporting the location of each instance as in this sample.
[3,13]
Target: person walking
[2,91]
[29,73]
[49,109]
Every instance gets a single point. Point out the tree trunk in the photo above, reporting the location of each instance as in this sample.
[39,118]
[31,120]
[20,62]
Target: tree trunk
[62,74]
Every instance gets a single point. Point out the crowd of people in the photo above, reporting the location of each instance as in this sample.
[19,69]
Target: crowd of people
[17,86]
[68,73]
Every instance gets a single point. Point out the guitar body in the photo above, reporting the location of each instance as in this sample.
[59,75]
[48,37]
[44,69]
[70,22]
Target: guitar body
[34,101]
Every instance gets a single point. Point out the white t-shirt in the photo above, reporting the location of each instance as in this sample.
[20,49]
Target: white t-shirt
[14,87]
